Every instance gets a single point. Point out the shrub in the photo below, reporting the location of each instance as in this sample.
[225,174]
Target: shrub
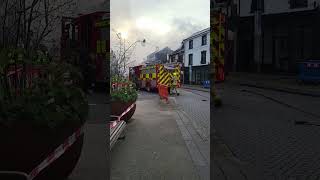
[123,90]
[52,100]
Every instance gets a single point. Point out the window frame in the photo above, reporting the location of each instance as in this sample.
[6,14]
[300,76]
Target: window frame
[204,40]
[190,55]
[191,44]
[203,58]
[294,4]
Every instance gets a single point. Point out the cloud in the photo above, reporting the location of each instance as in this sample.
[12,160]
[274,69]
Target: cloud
[162,23]
[188,26]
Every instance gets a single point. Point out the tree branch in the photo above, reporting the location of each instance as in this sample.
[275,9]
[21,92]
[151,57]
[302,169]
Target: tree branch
[27,43]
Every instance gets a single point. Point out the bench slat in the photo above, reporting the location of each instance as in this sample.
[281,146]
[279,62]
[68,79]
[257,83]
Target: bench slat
[116,132]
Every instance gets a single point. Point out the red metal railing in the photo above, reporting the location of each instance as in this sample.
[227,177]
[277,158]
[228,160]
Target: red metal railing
[14,76]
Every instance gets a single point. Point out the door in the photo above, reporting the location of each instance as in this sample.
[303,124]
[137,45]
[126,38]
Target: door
[281,61]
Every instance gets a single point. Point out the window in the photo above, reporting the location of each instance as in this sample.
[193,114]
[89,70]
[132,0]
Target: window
[191,44]
[204,40]
[298,3]
[256,6]
[203,57]
[190,59]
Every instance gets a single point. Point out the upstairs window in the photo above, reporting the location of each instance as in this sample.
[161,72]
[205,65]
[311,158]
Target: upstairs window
[298,4]
[191,44]
[204,40]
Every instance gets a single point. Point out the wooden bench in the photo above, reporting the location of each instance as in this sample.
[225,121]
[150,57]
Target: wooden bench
[116,132]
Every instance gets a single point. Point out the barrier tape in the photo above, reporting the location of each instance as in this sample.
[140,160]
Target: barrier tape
[125,112]
[59,151]
[113,124]
[14,72]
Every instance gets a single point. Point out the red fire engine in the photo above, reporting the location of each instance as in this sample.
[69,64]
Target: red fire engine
[92,31]
[149,77]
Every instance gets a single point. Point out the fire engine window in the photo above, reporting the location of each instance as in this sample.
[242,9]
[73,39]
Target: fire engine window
[152,70]
[104,34]
[76,34]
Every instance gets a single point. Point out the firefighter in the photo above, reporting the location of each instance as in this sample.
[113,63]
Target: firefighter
[174,83]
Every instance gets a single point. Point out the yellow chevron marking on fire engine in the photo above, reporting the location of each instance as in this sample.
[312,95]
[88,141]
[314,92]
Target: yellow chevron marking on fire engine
[215,52]
[222,32]
[164,79]
[160,73]
[214,36]
[167,82]
[215,21]
[160,68]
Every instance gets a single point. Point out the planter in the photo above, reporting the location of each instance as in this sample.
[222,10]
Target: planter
[118,107]
[129,115]
[24,147]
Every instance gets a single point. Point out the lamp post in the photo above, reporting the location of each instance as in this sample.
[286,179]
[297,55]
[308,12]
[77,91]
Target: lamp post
[258,34]
[125,49]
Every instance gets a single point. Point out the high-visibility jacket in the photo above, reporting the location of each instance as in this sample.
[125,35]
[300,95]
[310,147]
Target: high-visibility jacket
[174,81]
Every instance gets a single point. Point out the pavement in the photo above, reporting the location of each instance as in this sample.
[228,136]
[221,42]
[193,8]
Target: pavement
[195,87]
[154,147]
[93,162]
[281,83]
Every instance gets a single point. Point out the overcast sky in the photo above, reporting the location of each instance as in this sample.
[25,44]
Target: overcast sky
[161,22]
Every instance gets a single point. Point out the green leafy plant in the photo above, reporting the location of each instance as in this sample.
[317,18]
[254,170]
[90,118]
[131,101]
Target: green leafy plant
[53,100]
[123,90]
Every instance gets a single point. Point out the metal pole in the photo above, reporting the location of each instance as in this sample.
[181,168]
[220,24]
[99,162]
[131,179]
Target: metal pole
[190,74]
[257,35]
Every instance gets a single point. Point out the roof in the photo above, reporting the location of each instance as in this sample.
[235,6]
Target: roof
[177,51]
[104,13]
[199,33]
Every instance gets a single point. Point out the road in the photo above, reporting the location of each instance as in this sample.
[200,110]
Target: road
[258,126]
